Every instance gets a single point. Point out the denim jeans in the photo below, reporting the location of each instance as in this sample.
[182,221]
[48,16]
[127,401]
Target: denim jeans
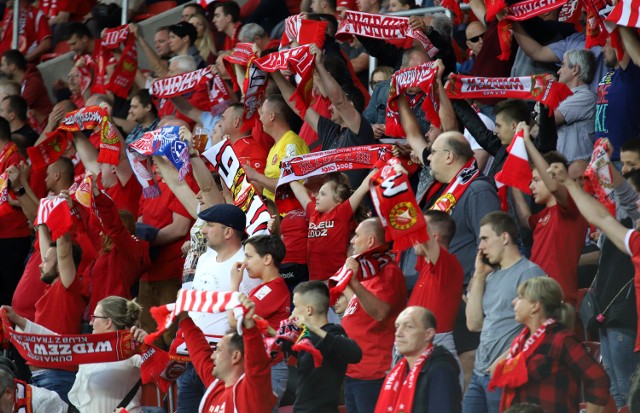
[620,361]
[59,381]
[361,396]
[279,377]
[190,390]
[478,399]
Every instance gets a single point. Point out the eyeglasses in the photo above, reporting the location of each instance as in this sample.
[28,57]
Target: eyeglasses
[93,317]
[475,39]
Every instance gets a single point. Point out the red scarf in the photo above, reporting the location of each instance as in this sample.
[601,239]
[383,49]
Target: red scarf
[598,178]
[124,72]
[596,32]
[379,26]
[24,396]
[371,263]
[56,215]
[625,13]
[516,171]
[226,163]
[520,11]
[303,31]
[89,118]
[255,90]
[396,205]
[9,149]
[301,62]
[57,351]
[455,189]
[422,76]
[241,55]
[399,388]
[512,373]
[540,88]
[50,150]
[180,84]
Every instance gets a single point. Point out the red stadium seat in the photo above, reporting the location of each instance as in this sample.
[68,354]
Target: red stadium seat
[61,48]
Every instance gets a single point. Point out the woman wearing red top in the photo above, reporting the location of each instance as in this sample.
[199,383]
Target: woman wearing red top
[263,255]
[546,362]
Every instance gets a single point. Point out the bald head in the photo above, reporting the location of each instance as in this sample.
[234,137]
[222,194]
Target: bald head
[458,144]
[369,234]
[374,228]
[449,153]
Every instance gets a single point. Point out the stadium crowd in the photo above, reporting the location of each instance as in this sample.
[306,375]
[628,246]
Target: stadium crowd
[253,222]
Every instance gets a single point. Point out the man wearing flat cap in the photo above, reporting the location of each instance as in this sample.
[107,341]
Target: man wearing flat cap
[225,231]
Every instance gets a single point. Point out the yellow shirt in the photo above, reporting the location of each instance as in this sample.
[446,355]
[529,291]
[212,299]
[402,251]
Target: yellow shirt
[289,145]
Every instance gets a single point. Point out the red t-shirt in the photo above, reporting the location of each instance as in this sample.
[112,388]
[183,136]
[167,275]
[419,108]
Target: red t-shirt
[439,289]
[30,288]
[13,223]
[272,301]
[61,309]
[33,29]
[126,197]
[294,228]
[328,239]
[558,255]
[158,212]
[31,90]
[250,152]
[632,242]
[375,338]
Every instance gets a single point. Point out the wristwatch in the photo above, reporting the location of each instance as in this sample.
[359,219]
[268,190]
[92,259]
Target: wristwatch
[19,191]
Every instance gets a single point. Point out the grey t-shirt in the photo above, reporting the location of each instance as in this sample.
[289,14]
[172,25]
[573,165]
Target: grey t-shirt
[575,135]
[500,326]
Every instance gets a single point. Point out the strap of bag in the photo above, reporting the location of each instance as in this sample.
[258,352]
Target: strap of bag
[127,399]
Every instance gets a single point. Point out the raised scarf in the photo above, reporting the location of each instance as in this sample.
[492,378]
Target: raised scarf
[598,178]
[399,387]
[396,205]
[301,62]
[515,171]
[523,10]
[89,118]
[180,84]
[371,263]
[455,189]
[241,55]
[511,372]
[226,163]
[57,351]
[378,26]
[164,141]
[303,31]
[50,150]
[82,191]
[124,72]
[197,301]
[323,162]
[54,212]
[423,77]
[8,150]
[540,88]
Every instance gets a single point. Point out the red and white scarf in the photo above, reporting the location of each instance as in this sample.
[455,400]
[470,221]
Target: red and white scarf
[242,55]
[512,373]
[625,13]
[124,72]
[371,263]
[24,397]
[303,31]
[424,77]
[396,205]
[399,387]
[255,90]
[180,84]
[455,189]
[226,163]
[379,26]
[516,171]
[54,212]
[9,149]
[89,118]
[598,178]
[50,150]
[301,62]
[197,301]
[540,88]
[82,191]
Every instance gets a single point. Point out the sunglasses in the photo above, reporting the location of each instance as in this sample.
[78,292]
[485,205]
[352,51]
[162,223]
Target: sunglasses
[476,39]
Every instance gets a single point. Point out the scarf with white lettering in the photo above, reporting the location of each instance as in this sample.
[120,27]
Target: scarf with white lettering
[301,62]
[50,150]
[180,84]
[512,373]
[58,351]
[522,10]
[197,301]
[226,163]
[323,162]
[379,26]
[423,77]
[455,189]
[396,205]
[598,178]
[92,117]
[540,88]
[399,387]
[164,141]
[124,72]
[371,263]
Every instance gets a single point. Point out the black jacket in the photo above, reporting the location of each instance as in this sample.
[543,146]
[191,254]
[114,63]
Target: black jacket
[438,389]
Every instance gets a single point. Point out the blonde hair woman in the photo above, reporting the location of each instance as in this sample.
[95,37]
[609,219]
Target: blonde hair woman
[546,362]
[204,40]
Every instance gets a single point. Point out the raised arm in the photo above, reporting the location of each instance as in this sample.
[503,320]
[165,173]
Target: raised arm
[88,153]
[201,173]
[531,47]
[287,89]
[631,44]
[558,191]
[592,210]
[28,201]
[409,123]
[470,120]
[157,64]
[479,9]
[180,189]
[446,113]
[66,266]
[360,193]
[300,193]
